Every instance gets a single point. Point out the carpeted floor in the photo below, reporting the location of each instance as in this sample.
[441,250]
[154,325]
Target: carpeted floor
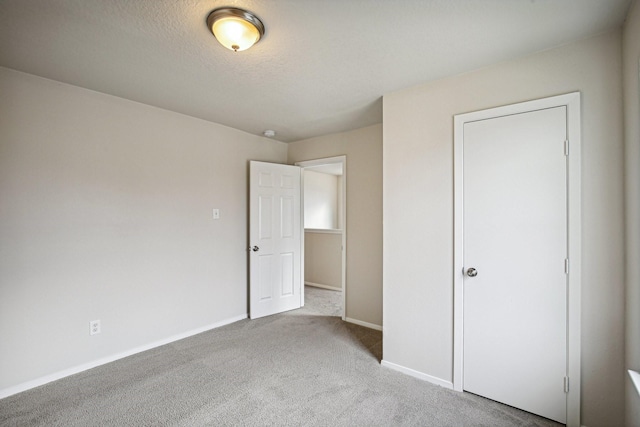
[302,368]
[322,302]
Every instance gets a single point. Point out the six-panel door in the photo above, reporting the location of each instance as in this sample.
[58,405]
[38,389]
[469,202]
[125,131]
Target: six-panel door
[274,239]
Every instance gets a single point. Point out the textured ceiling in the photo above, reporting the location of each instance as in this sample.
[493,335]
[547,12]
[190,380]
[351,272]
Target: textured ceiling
[322,66]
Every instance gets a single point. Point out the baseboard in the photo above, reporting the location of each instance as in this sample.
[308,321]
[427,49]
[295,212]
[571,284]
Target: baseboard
[365,324]
[319,285]
[86,366]
[417,374]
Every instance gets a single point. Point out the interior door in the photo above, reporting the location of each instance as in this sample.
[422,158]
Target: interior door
[275,274]
[515,246]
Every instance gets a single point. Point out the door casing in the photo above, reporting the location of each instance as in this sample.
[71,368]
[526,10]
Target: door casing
[572,102]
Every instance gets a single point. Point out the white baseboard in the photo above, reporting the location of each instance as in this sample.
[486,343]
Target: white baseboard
[85,366]
[365,324]
[417,374]
[320,285]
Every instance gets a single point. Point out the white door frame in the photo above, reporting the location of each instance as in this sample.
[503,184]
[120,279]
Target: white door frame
[321,162]
[572,102]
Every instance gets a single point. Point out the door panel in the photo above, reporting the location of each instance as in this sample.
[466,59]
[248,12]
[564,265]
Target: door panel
[288,271]
[515,235]
[265,215]
[264,264]
[275,278]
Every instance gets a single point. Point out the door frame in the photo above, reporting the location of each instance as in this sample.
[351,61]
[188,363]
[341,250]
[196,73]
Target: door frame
[321,162]
[572,103]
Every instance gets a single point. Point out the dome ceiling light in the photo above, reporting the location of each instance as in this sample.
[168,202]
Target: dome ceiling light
[234,28]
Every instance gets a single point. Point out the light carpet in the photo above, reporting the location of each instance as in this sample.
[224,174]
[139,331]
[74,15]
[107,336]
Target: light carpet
[302,368]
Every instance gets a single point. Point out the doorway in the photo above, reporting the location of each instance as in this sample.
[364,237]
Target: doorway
[324,189]
[517,256]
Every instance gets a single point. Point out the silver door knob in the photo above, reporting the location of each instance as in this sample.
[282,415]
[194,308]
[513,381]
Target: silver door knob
[472,272]
[255,249]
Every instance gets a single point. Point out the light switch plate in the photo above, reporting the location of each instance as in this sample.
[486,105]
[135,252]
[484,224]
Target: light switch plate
[216,214]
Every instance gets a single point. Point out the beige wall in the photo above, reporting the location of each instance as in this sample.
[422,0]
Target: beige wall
[323,259]
[106,213]
[418,210]
[631,70]
[363,148]
[321,200]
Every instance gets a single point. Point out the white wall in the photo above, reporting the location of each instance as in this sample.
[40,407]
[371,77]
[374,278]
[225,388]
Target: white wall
[631,71]
[323,259]
[418,210]
[363,148]
[106,213]
[320,200]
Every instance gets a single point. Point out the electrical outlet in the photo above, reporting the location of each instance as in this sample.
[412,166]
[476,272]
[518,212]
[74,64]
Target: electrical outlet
[94,327]
[216,214]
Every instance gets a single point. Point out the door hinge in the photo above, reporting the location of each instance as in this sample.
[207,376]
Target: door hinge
[566,147]
[566,384]
[566,266]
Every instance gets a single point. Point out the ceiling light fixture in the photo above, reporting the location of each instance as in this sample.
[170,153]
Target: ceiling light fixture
[269,133]
[234,28]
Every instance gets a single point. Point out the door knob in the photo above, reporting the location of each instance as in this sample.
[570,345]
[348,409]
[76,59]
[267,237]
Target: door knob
[255,249]
[472,272]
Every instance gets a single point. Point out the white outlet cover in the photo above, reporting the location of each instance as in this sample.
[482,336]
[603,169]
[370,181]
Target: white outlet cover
[94,327]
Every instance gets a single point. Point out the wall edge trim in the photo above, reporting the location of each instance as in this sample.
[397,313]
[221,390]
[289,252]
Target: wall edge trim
[417,374]
[320,285]
[10,391]
[365,324]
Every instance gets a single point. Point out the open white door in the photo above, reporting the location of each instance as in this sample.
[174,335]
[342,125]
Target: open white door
[275,278]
